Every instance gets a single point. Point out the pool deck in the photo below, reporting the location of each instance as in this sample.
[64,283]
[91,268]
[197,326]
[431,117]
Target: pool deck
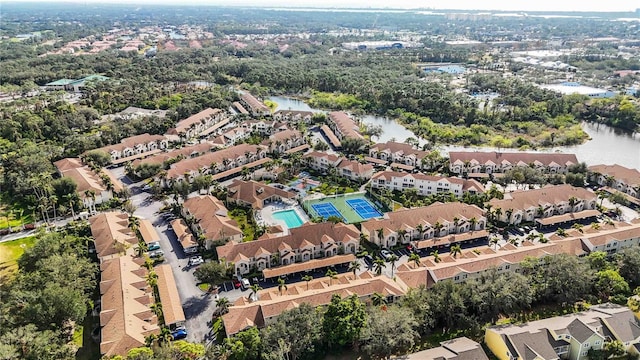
[265,216]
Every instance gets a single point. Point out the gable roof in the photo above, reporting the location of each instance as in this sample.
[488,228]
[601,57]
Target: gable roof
[186,152]
[216,157]
[345,124]
[298,238]
[212,216]
[540,197]
[399,148]
[524,158]
[629,176]
[467,184]
[184,125]
[171,305]
[111,233]
[255,104]
[254,193]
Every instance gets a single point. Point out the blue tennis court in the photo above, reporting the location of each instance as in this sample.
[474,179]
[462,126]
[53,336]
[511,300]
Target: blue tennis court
[364,208]
[325,210]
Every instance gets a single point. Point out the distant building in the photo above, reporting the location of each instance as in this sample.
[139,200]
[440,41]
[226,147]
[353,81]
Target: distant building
[457,349]
[452,69]
[497,162]
[73,85]
[569,88]
[380,45]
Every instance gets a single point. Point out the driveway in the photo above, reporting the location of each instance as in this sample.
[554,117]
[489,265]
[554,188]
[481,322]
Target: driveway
[198,306]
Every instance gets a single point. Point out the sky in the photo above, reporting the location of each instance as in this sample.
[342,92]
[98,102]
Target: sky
[507,5]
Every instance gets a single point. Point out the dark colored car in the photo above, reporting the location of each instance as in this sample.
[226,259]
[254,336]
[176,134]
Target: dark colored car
[179,333]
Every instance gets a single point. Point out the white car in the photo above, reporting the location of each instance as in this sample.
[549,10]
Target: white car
[195,260]
[245,284]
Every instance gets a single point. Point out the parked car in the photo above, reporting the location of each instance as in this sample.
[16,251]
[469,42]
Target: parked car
[156,254]
[386,254]
[153,246]
[195,260]
[147,187]
[236,283]
[368,259]
[245,284]
[179,333]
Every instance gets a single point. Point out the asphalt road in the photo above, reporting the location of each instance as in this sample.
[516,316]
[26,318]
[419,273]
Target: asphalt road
[198,306]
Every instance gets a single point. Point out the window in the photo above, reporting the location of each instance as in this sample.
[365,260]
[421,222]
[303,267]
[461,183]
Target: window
[507,267]
[597,342]
[456,278]
[587,345]
[584,353]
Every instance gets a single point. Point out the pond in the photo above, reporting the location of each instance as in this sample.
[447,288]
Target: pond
[607,145]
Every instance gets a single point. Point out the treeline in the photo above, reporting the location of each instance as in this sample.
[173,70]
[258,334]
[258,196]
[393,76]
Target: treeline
[566,282]
[50,296]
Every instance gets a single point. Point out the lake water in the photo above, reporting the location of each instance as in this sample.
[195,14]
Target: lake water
[607,145]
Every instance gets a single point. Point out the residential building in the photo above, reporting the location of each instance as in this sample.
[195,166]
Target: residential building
[499,162]
[254,106]
[394,152]
[293,116]
[344,126]
[231,137]
[433,225]
[333,140]
[472,263]
[90,186]
[618,177]
[304,243]
[425,184]
[546,202]
[270,303]
[354,170]
[185,237]
[566,337]
[461,348]
[216,162]
[126,318]
[147,232]
[256,195]
[172,311]
[240,108]
[264,126]
[111,234]
[282,141]
[134,147]
[351,169]
[201,124]
[208,217]
[73,85]
[186,152]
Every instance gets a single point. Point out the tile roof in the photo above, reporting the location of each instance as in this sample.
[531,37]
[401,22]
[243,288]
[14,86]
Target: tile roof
[255,104]
[254,193]
[426,215]
[355,166]
[236,170]
[282,136]
[183,125]
[399,148]
[108,230]
[333,139]
[630,177]
[131,142]
[584,214]
[68,164]
[308,265]
[305,235]
[216,157]
[332,158]
[467,184]
[547,195]
[126,318]
[346,124]
[183,233]
[212,216]
[187,152]
[147,231]
[171,305]
[456,349]
[316,292]
[493,157]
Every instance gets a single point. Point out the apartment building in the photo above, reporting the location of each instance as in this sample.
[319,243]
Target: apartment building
[547,202]
[282,141]
[400,153]
[425,184]
[203,123]
[304,243]
[499,162]
[344,126]
[434,225]
[350,169]
[208,217]
[618,177]
[134,147]
[90,186]
[256,195]
[254,106]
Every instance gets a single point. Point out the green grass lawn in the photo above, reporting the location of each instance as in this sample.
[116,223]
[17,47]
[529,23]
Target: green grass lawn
[10,252]
[10,214]
[243,217]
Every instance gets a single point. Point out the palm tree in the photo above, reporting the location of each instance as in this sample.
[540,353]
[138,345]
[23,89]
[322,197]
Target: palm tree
[455,250]
[134,223]
[436,256]
[331,275]
[415,258]
[401,234]
[420,229]
[602,195]
[393,259]
[165,335]
[354,266]
[473,221]
[254,291]
[572,202]
[223,304]
[438,228]
[378,299]
[494,241]
[380,234]
[561,232]
[578,227]
[152,278]
[595,226]
[156,308]
[378,265]
[282,286]
[141,248]
[307,278]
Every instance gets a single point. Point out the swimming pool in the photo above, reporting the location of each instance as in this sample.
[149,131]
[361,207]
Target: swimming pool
[290,217]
